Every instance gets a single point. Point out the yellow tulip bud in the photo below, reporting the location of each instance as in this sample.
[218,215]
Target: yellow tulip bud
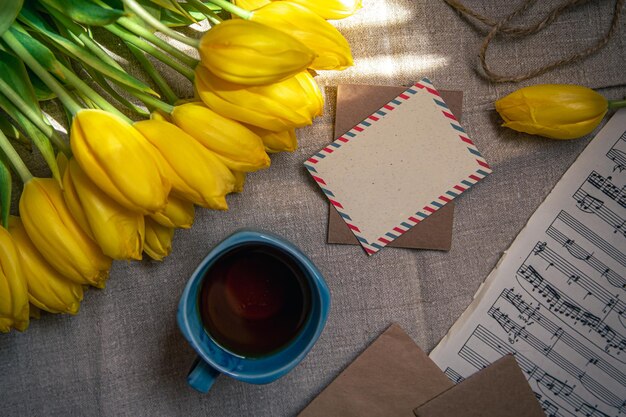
[178,213]
[57,235]
[236,146]
[240,180]
[158,240]
[195,172]
[245,52]
[70,195]
[274,142]
[118,160]
[556,111]
[250,4]
[13,290]
[279,106]
[47,289]
[35,312]
[331,9]
[117,230]
[332,49]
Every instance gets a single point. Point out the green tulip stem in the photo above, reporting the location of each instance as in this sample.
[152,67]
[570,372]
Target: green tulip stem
[144,15]
[229,7]
[150,49]
[152,38]
[71,104]
[33,116]
[205,10]
[19,165]
[67,26]
[150,101]
[90,93]
[617,104]
[153,73]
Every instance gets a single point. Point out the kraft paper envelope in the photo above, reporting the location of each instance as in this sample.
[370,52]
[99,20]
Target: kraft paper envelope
[496,391]
[388,379]
[356,102]
[398,166]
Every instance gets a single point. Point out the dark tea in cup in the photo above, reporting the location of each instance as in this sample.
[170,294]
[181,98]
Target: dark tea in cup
[254,300]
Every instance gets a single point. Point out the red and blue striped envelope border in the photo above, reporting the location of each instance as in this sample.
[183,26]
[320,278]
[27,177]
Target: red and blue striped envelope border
[424,86]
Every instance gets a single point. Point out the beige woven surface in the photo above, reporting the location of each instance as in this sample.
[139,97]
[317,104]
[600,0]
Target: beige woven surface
[123,354]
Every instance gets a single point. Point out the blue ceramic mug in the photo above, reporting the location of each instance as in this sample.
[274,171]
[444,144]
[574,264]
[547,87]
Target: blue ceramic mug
[214,359]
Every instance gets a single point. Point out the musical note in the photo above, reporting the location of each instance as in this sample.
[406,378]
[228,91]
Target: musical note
[590,285]
[453,375]
[588,203]
[517,301]
[592,205]
[592,237]
[619,158]
[560,390]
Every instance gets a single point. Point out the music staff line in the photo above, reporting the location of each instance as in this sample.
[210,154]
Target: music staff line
[558,388]
[609,189]
[478,362]
[580,253]
[518,332]
[453,375]
[573,274]
[517,301]
[562,304]
[591,236]
[590,204]
[618,156]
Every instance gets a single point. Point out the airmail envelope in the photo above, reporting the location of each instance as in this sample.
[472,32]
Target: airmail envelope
[398,166]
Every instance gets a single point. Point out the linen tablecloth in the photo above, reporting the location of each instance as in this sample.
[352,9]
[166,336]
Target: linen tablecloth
[123,354]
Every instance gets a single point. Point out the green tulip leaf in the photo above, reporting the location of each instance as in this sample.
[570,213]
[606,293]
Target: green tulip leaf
[174,7]
[10,10]
[79,53]
[5,191]
[86,11]
[11,131]
[41,141]
[42,91]
[13,73]
[174,20]
[39,51]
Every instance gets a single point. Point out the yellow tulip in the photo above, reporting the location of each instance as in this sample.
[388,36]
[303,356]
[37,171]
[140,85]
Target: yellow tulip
[235,145]
[331,9]
[47,289]
[117,230]
[555,111]
[277,107]
[240,180]
[250,4]
[119,160]
[13,290]
[274,142]
[158,240]
[245,52]
[58,237]
[178,213]
[332,49]
[195,172]
[72,200]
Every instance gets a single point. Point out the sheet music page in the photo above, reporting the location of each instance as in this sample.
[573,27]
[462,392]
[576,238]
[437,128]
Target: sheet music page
[557,299]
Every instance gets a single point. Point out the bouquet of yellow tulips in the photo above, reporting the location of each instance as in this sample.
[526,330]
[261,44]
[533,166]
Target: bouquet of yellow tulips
[139,159]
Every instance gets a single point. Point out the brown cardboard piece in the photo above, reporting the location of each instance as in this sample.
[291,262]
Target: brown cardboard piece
[393,376]
[355,103]
[388,379]
[498,390]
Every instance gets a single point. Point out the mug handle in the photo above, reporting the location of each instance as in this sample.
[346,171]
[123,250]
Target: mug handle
[201,376]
